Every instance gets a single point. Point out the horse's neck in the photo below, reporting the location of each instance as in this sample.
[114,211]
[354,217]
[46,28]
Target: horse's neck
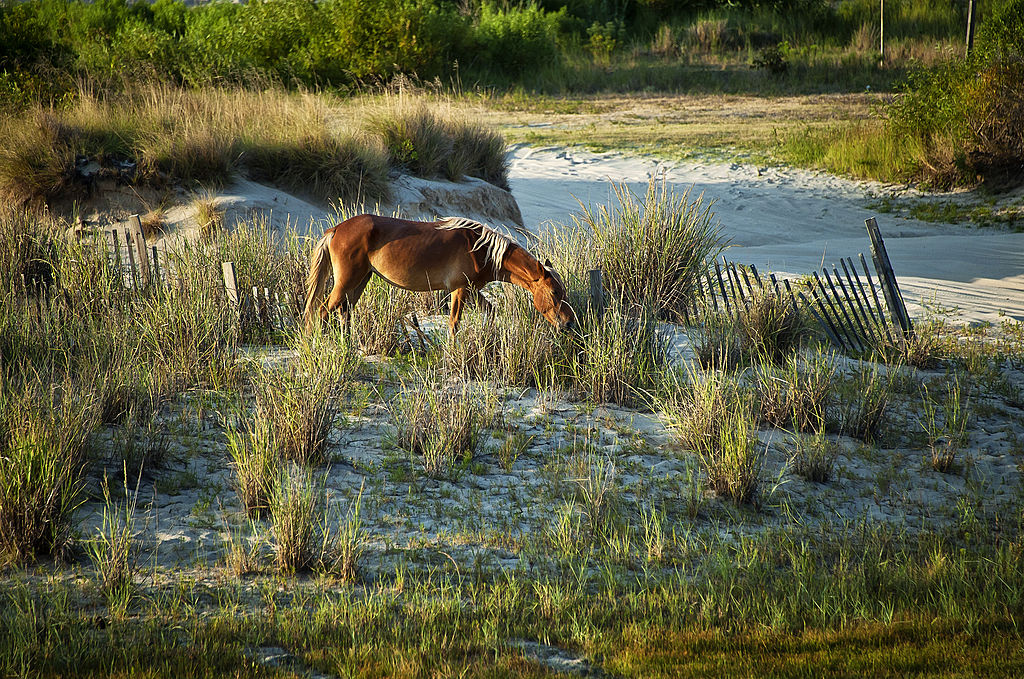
[518,264]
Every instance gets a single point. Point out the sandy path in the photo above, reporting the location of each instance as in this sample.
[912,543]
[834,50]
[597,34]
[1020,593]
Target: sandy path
[789,221]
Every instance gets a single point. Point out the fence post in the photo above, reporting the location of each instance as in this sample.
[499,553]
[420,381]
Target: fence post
[887,277]
[230,283]
[596,293]
[139,242]
[133,280]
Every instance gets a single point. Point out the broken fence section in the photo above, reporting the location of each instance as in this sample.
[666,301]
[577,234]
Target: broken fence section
[144,269]
[847,305]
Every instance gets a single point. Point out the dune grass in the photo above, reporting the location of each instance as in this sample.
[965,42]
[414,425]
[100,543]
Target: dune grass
[334,150]
[731,584]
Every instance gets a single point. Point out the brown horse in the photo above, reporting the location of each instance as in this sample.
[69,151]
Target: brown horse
[454,254]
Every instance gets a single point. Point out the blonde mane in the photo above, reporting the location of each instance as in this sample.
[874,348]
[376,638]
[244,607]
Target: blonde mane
[494,245]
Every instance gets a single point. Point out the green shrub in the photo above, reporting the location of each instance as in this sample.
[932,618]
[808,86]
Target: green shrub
[374,40]
[966,114]
[515,39]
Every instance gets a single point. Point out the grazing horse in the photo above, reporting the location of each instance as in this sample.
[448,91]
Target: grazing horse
[453,254]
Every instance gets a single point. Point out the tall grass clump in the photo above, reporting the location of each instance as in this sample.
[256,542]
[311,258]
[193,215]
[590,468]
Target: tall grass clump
[771,327]
[439,423]
[256,461]
[429,137]
[379,322]
[652,249]
[864,398]
[814,457]
[113,551]
[343,548]
[300,412]
[295,509]
[797,395]
[44,427]
[945,421]
[713,416]
[618,358]
[511,344]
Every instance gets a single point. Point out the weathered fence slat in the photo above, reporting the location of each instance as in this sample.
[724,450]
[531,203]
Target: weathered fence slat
[883,267]
[596,293]
[138,242]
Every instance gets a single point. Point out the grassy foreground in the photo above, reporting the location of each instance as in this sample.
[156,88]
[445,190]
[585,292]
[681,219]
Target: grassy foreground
[507,502]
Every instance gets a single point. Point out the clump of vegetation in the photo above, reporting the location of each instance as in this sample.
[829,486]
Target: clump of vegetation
[295,509]
[770,326]
[945,423]
[797,395]
[256,460]
[298,412]
[864,399]
[716,342]
[438,423]
[767,328]
[652,249]
[380,321]
[343,548]
[43,430]
[114,550]
[963,118]
[713,416]
[205,136]
[814,457]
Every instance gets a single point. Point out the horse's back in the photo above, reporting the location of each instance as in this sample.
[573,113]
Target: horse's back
[409,254]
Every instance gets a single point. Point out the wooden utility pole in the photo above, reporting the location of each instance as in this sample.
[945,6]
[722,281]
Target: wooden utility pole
[881,28]
[970,26]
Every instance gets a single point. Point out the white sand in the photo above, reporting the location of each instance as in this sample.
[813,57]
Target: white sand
[790,221]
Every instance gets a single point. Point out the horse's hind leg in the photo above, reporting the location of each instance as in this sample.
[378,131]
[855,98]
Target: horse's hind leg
[348,288]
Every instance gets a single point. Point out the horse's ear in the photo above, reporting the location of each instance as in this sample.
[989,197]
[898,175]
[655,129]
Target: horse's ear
[547,263]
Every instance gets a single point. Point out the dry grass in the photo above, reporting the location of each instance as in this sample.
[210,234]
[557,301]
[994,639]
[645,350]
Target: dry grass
[331,149]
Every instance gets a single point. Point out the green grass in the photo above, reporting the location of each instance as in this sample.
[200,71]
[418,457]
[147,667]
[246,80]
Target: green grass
[626,564]
[871,606]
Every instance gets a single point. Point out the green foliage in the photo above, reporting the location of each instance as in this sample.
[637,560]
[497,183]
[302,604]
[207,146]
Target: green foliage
[515,39]
[966,114]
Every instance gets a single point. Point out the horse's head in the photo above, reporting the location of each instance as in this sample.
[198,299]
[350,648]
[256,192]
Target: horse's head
[550,299]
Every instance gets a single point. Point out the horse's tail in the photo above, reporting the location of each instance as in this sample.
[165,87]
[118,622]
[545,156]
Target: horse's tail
[316,281]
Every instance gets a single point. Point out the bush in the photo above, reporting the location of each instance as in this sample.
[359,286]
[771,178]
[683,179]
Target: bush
[966,114]
[374,40]
[514,40]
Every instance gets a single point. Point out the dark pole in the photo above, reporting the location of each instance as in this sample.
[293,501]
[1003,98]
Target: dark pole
[970,26]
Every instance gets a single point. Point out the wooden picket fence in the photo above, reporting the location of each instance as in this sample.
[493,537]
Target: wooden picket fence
[144,269]
[847,306]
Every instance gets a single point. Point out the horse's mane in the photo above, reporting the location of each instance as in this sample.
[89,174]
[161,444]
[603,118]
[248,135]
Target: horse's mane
[494,245]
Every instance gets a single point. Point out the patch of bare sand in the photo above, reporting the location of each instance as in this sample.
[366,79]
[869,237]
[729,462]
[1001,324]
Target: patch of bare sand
[793,222]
